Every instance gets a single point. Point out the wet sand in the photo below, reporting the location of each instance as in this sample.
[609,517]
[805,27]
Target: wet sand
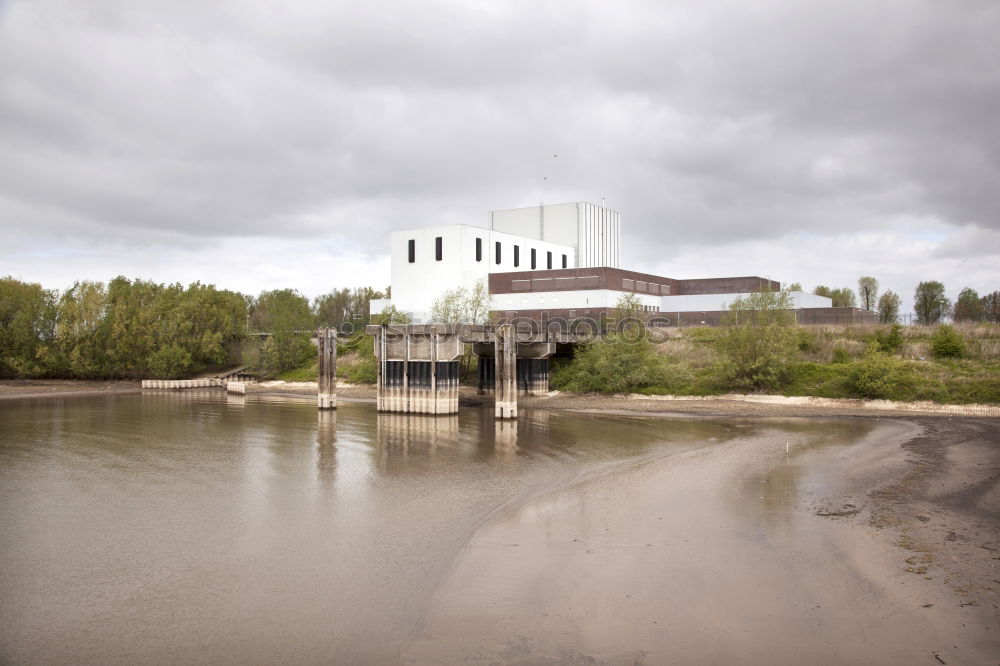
[13,389]
[883,551]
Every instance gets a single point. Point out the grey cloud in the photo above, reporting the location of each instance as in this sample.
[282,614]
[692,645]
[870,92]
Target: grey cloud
[702,122]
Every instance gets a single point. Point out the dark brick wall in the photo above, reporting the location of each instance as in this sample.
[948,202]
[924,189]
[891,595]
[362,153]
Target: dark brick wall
[568,279]
[805,316]
[725,285]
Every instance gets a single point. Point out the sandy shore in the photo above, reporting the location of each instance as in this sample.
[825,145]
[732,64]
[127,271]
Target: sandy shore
[752,405]
[61,388]
[882,551]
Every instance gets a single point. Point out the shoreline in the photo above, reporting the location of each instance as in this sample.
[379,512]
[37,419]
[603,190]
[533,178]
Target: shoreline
[723,405]
[884,550]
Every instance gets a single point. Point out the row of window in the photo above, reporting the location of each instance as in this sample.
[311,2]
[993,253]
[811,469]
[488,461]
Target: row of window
[439,253]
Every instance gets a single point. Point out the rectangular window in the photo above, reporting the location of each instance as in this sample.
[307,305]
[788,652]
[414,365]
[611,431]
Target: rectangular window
[498,253]
[517,256]
[437,248]
[548,260]
[479,249]
[413,250]
[534,263]
[564,261]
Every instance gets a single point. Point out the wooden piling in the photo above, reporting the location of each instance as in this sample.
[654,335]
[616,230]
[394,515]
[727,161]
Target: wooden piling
[506,371]
[327,397]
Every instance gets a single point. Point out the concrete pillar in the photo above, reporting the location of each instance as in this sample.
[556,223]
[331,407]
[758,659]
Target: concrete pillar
[379,343]
[506,369]
[327,397]
[433,378]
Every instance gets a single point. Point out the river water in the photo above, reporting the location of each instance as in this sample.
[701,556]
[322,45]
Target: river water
[200,528]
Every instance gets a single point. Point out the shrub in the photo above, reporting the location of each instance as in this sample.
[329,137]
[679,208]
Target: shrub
[759,341]
[841,355]
[946,342]
[807,341]
[889,341]
[876,376]
[284,351]
[614,365]
[169,362]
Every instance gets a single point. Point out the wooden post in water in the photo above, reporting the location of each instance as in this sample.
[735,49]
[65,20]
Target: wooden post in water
[327,398]
[506,371]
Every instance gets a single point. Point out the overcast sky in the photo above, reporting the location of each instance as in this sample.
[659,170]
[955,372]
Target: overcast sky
[262,145]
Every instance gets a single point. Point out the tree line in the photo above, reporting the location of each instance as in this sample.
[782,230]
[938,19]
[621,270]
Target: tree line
[130,329]
[930,302]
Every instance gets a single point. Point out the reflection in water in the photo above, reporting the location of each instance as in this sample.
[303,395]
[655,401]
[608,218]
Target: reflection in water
[326,446]
[505,440]
[400,435]
[189,527]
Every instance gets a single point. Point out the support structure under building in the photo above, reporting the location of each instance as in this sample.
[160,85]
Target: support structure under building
[327,343]
[418,368]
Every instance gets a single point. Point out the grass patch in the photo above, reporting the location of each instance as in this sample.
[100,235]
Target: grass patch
[873,362]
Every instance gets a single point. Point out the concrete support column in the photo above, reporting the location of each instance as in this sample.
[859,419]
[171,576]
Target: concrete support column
[533,367]
[327,397]
[506,369]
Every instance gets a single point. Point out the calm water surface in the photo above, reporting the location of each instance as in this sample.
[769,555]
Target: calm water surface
[201,528]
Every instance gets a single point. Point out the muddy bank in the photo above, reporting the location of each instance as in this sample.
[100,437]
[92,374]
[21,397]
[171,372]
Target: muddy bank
[880,551]
[62,388]
[753,405]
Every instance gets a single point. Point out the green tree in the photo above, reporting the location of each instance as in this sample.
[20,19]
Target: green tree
[80,346]
[463,306]
[759,340]
[930,302]
[843,298]
[331,309]
[968,307]
[990,304]
[286,317]
[888,307]
[795,286]
[27,326]
[629,306]
[390,315]
[867,292]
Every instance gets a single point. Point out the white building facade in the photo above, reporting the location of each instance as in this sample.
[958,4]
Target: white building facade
[593,231]
[716,302]
[427,262]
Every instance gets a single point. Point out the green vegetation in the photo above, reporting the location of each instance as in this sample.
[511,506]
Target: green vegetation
[947,364]
[947,343]
[131,329]
[842,298]
[930,303]
[759,341]
[888,308]
[867,291]
[125,329]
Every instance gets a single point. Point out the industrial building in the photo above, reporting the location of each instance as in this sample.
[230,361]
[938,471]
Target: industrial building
[562,261]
